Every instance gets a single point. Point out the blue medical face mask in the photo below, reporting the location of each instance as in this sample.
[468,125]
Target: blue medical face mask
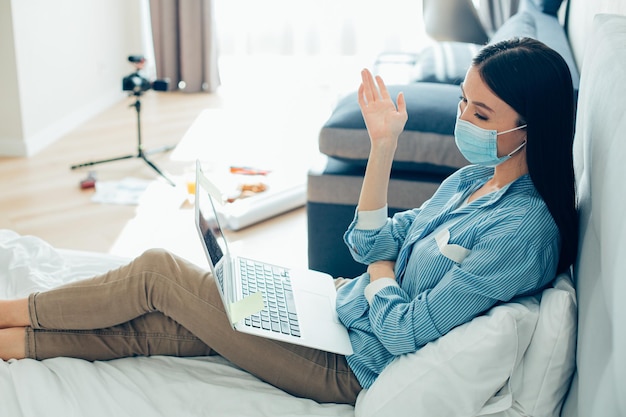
[478,145]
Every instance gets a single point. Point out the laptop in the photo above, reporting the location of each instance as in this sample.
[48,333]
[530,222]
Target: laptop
[290,305]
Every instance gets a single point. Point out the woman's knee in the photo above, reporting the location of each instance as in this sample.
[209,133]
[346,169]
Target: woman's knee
[160,265]
[157,260]
[155,254]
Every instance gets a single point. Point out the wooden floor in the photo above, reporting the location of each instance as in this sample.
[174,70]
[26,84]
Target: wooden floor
[283,105]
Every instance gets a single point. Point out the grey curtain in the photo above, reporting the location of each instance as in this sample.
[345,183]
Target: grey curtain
[185,44]
[493,13]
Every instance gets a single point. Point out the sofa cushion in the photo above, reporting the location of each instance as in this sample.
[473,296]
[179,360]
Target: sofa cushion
[459,373]
[520,25]
[445,62]
[427,143]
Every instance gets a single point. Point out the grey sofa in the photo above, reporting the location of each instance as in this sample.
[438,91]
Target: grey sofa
[426,152]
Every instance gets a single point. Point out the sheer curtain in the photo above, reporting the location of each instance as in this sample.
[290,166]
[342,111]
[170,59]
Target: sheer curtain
[319,27]
[307,28]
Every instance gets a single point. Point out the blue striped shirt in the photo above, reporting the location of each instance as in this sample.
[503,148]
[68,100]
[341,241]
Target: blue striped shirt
[454,261]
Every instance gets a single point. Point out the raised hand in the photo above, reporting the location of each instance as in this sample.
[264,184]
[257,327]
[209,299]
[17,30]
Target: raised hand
[383,120]
[384,124]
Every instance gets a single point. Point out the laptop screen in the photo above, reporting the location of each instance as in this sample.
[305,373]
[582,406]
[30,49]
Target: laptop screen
[211,234]
[209,229]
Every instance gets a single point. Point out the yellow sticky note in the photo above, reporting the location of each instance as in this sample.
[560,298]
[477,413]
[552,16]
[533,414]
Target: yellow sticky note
[245,307]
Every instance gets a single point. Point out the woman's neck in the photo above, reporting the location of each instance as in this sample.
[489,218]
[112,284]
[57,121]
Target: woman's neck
[510,170]
[504,174]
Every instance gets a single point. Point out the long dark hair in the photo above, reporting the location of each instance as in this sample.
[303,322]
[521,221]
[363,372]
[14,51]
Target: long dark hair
[536,82]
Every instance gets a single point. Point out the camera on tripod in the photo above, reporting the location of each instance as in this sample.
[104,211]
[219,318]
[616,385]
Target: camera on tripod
[137,83]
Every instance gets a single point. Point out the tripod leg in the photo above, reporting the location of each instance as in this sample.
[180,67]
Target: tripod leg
[154,167]
[140,152]
[166,148]
[104,161]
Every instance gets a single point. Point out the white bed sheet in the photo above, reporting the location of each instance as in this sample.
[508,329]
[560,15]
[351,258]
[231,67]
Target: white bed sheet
[133,387]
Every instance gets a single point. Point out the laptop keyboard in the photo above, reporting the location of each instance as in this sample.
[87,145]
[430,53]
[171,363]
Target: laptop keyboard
[279,314]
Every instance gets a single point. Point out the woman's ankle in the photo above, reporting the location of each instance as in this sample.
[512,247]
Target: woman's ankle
[13,343]
[14,313]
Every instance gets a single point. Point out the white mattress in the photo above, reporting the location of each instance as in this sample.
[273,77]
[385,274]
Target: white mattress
[134,387]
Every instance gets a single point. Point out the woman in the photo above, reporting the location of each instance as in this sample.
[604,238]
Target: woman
[494,230]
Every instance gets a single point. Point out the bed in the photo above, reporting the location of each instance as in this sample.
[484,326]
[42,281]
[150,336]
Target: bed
[494,364]
[133,387]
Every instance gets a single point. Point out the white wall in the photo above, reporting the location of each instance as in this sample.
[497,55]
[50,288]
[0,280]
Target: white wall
[62,62]
[10,115]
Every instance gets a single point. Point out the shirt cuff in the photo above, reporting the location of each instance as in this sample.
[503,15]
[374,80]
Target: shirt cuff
[372,219]
[373,287]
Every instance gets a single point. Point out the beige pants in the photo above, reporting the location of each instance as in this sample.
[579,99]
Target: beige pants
[160,304]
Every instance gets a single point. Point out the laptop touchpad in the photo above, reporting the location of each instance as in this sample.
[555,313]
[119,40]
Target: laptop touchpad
[323,306]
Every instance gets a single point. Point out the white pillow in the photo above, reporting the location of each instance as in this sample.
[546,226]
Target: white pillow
[458,374]
[541,382]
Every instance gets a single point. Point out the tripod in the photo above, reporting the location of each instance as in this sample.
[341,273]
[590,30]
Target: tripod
[140,151]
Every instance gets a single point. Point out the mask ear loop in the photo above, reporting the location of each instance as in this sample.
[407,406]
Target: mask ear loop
[512,130]
[514,151]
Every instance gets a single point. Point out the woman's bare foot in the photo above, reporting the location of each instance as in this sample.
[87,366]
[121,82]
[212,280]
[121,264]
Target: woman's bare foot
[12,343]
[14,313]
